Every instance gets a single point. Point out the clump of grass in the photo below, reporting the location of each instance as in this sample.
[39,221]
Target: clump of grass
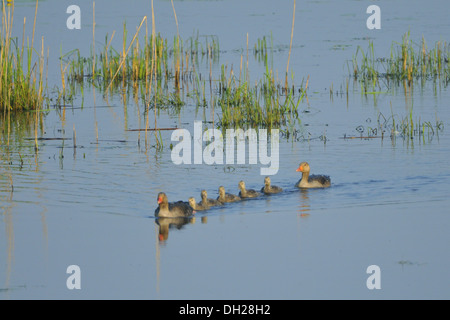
[134,66]
[410,61]
[266,103]
[21,69]
[366,70]
[153,61]
[407,63]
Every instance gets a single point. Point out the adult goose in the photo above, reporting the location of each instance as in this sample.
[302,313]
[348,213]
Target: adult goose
[173,209]
[311,181]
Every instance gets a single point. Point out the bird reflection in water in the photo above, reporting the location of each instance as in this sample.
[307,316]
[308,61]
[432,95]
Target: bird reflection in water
[304,207]
[164,224]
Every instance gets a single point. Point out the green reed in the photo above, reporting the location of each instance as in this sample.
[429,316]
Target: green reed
[408,62]
[266,103]
[21,68]
[155,62]
[260,50]
[171,62]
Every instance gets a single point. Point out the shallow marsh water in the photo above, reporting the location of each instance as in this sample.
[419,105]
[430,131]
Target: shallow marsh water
[93,206]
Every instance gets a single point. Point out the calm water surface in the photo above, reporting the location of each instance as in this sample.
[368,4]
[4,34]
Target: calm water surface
[93,206]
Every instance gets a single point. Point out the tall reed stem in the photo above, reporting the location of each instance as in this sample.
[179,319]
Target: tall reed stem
[290,46]
[126,53]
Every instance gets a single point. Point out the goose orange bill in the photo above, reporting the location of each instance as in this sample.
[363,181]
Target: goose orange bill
[159,200]
[300,169]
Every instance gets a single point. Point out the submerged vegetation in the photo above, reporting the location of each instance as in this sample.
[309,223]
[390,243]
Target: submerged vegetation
[408,128]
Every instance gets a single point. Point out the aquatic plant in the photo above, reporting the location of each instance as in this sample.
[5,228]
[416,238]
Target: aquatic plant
[132,65]
[21,68]
[407,63]
[260,50]
[266,103]
[156,69]
[407,127]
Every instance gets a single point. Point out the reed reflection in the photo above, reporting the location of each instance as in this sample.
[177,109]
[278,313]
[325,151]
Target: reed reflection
[7,205]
